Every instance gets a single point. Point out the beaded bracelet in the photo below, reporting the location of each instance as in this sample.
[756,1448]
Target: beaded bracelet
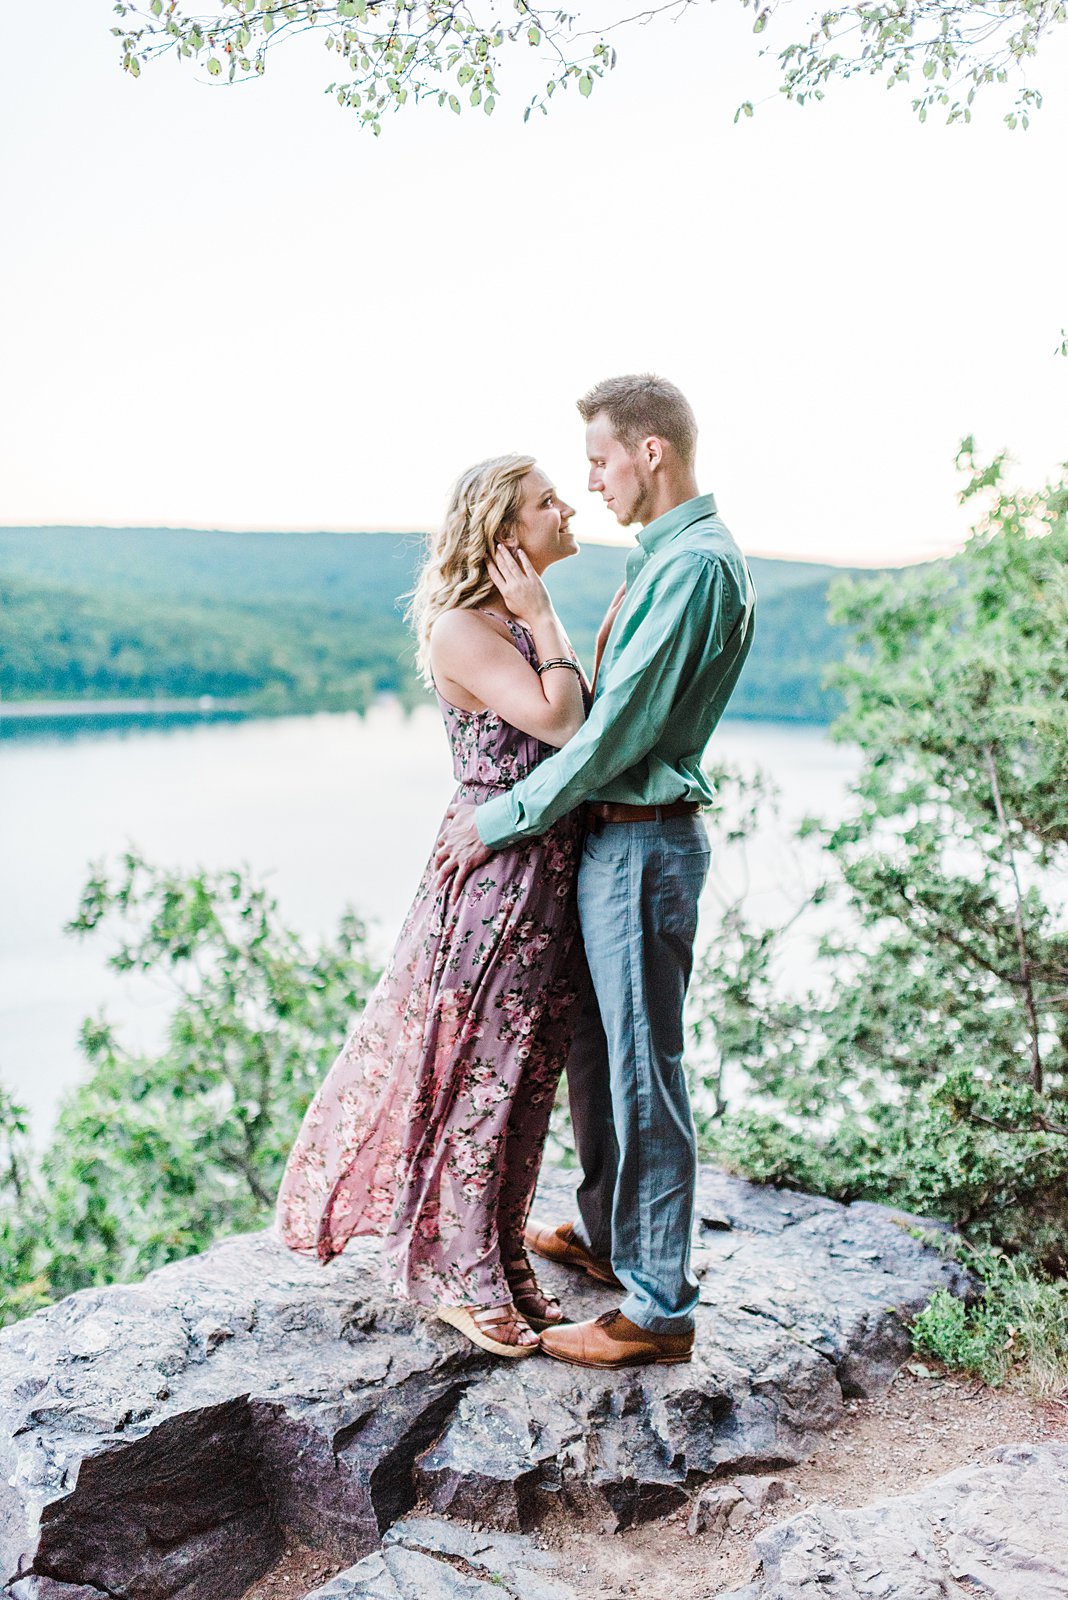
[560,661]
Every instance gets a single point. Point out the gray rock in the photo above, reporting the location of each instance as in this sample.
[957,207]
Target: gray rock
[405,1575]
[714,1507]
[729,1505]
[762,1492]
[426,1558]
[157,1438]
[998,1529]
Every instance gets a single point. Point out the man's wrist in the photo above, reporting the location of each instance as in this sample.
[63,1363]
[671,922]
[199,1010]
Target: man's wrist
[493,821]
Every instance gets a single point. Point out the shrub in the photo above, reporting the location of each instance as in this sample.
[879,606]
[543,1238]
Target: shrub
[154,1156]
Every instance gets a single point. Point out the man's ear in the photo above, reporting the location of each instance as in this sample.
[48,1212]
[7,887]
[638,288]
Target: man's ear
[651,451]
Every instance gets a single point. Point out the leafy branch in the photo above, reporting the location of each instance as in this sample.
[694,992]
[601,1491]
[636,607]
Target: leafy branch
[955,48]
[392,50]
[396,51]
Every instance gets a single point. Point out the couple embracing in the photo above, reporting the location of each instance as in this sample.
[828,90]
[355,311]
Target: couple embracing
[554,924]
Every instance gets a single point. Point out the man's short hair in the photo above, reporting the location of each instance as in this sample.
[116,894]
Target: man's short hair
[641,405]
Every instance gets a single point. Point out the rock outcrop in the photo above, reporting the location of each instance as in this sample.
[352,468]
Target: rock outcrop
[427,1558]
[998,1529]
[156,1438]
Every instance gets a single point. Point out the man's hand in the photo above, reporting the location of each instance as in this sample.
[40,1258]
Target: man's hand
[461,850]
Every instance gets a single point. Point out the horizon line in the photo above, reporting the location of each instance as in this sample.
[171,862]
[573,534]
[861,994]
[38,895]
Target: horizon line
[607,541]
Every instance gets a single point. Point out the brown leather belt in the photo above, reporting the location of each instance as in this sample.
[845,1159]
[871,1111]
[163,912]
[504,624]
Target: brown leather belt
[598,812]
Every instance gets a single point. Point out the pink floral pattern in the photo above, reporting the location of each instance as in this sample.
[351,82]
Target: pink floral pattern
[429,1128]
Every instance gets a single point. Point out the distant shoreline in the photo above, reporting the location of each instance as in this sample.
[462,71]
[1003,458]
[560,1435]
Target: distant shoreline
[211,706]
[18,710]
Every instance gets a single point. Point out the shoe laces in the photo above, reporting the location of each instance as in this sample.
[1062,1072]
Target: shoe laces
[606,1318]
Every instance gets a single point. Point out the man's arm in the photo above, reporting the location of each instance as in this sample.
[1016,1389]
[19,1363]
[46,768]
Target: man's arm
[688,614]
[461,850]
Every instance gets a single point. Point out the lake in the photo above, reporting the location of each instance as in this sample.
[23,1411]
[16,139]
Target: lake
[332,810]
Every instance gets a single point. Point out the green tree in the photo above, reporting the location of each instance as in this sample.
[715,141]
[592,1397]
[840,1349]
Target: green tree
[154,1156]
[23,1276]
[391,51]
[928,1066]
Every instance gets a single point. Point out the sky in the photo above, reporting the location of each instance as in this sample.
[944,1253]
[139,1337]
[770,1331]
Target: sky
[232,308]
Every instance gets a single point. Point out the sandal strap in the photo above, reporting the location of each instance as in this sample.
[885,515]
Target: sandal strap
[520,1271]
[518,1277]
[487,1317]
[523,1282]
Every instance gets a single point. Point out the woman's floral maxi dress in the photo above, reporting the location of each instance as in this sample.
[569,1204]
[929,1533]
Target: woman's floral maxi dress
[430,1125]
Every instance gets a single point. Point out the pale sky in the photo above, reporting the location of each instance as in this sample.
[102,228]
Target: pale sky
[231,308]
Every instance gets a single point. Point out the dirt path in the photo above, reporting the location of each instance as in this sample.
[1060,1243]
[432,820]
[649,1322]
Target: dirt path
[923,1427]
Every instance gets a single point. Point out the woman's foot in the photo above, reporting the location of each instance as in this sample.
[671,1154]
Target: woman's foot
[541,1310]
[499,1329]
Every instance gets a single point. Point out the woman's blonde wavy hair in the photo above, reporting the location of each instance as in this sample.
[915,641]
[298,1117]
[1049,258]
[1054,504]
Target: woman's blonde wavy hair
[482,508]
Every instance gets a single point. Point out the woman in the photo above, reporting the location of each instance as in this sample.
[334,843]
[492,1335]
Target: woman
[430,1126]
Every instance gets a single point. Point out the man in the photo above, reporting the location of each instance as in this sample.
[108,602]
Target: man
[672,653]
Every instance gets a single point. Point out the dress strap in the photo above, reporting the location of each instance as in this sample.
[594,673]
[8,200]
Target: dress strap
[509,622]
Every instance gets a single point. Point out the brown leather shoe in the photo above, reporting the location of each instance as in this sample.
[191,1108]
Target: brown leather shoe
[612,1340]
[559,1244]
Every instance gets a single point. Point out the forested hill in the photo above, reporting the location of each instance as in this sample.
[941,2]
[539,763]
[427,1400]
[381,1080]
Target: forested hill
[310,620]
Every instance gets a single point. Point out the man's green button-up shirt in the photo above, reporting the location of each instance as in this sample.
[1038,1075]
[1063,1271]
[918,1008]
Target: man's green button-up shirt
[672,660]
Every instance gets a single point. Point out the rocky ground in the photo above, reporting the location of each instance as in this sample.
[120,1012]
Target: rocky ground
[182,1438]
[921,1428]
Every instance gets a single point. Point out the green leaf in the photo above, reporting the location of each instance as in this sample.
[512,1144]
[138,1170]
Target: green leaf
[454,104]
[585,84]
[214,66]
[534,35]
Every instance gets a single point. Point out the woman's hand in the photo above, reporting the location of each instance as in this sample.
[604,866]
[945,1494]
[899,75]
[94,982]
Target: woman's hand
[519,586]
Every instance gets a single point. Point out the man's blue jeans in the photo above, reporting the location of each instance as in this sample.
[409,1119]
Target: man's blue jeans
[638,887]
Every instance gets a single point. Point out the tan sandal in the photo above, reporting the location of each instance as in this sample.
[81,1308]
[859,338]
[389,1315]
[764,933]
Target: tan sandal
[540,1310]
[480,1323]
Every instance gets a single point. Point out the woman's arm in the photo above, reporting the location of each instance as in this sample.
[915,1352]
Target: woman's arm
[466,650]
[606,627]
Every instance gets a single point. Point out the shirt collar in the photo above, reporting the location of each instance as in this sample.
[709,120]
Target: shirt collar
[655,535]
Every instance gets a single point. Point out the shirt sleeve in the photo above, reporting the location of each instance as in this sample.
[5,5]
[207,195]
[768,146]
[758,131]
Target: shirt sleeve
[682,616]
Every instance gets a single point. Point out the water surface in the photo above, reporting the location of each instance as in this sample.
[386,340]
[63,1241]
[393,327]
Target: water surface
[333,810]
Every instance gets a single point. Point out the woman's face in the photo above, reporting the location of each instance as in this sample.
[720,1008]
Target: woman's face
[542,528]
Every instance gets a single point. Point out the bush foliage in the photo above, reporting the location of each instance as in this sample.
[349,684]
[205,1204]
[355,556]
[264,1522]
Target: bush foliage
[927,1066]
[153,1157]
[1018,1327]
